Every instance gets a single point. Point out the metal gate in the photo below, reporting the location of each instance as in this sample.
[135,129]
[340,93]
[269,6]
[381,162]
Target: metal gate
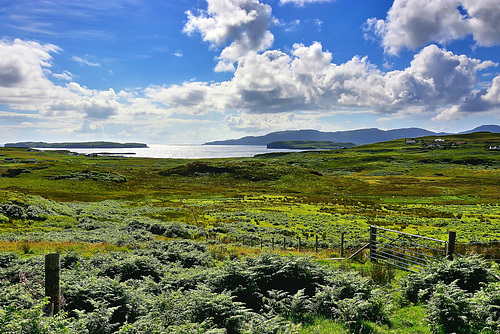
[407,251]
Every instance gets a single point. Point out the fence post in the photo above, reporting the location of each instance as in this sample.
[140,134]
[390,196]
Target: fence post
[316,243]
[272,243]
[373,243]
[52,281]
[450,248]
[299,245]
[260,243]
[284,243]
[342,244]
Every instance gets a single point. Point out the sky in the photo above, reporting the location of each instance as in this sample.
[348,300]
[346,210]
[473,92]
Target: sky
[193,71]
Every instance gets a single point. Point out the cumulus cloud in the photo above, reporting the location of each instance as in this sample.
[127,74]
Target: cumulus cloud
[24,70]
[486,100]
[242,22]
[267,91]
[413,24]
[193,98]
[22,62]
[309,80]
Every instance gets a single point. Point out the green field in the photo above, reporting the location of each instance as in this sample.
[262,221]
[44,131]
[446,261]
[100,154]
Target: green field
[220,212]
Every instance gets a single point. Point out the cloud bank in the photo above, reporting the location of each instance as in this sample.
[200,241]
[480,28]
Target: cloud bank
[308,80]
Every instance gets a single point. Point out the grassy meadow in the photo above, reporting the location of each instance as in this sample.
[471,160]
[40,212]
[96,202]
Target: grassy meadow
[213,216]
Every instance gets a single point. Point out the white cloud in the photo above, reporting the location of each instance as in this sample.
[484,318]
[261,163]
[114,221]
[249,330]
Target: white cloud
[274,82]
[269,90]
[413,24]
[303,2]
[24,71]
[242,22]
[257,123]
[22,63]
[65,75]
[85,61]
[193,98]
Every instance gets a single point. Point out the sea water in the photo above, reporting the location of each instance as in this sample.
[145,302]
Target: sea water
[182,151]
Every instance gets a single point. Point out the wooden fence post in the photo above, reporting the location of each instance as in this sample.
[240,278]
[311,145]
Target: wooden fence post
[260,243]
[272,243]
[284,243]
[52,281]
[316,243]
[450,249]
[342,244]
[373,243]
[299,245]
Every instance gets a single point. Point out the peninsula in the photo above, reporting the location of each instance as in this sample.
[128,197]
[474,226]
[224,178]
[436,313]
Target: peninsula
[91,144]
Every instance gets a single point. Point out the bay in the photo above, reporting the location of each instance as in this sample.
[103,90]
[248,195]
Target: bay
[184,151]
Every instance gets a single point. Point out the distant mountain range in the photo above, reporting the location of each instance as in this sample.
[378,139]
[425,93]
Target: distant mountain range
[358,137]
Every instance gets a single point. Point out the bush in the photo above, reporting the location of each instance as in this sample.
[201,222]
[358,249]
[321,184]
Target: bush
[468,273]
[29,321]
[486,304]
[295,307]
[133,267]
[252,278]
[184,252]
[449,309]
[349,297]
[89,294]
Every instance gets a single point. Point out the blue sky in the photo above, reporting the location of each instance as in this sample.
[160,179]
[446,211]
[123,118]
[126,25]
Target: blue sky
[193,71]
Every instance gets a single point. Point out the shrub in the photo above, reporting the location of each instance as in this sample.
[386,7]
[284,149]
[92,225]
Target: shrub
[6,259]
[13,211]
[348,297]
[353,311]
[133,267]
[468,272]
[486,307]
[32,320]
[90,293]
[252,278]
[296,307]
[184,252]
[449,309]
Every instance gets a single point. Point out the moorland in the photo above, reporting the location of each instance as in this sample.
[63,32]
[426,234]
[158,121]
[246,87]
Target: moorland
[187,246]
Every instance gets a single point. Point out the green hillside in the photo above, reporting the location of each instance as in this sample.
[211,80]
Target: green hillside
[184,245]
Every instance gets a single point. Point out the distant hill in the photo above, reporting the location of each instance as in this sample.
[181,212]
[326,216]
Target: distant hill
[92,144]
[309,145]
[484,128]
[358,137]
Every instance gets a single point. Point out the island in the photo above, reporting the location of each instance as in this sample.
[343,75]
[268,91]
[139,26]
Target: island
[85,145]
[309,145]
